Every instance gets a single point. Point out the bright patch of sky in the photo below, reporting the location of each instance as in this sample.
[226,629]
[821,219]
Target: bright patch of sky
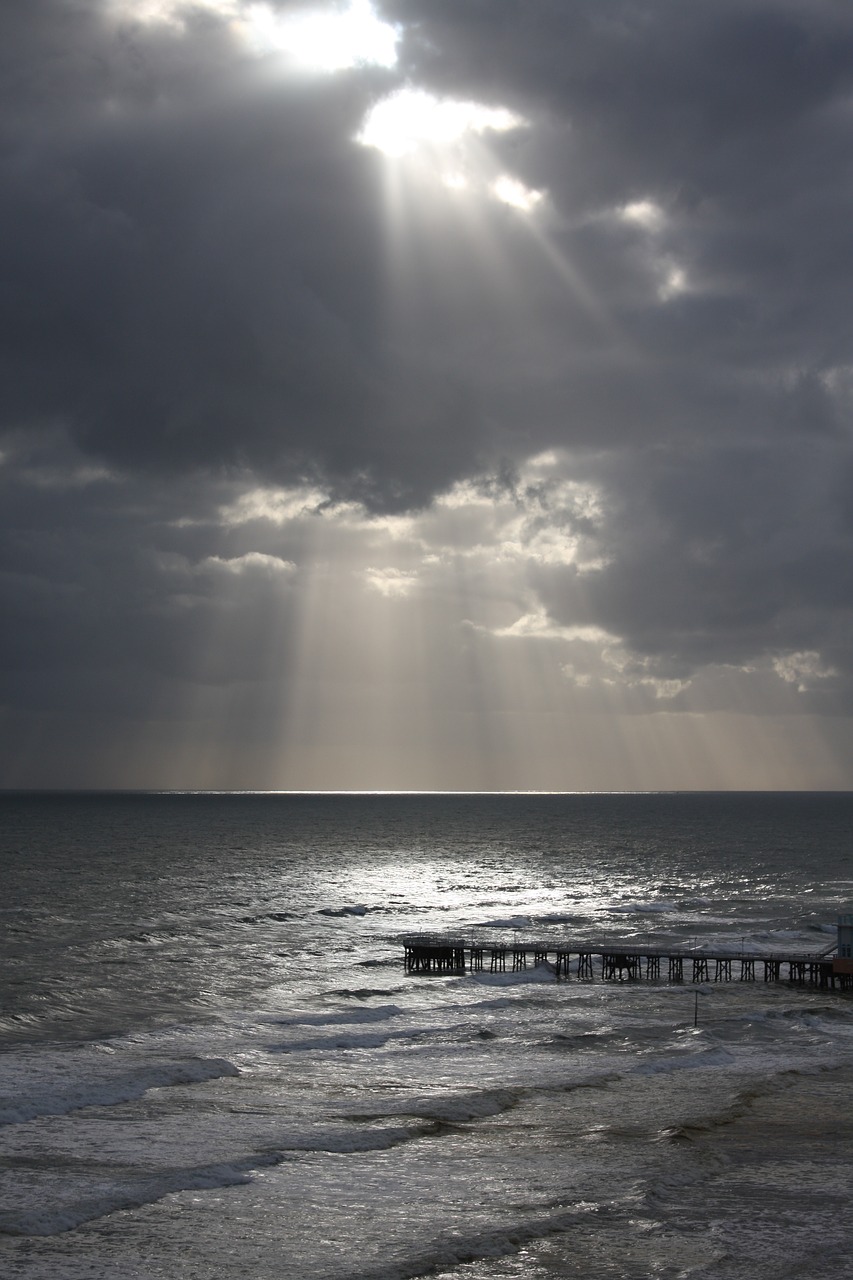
[542,627]
[412,118]
[391,582]
[278,506]
[674,281]
[171,12]
[510,191]
[646,213]
[446,135]
[802,669]
[324,39]
[316,38]
[251,561]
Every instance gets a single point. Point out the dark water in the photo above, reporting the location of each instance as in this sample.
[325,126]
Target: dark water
[213,1058]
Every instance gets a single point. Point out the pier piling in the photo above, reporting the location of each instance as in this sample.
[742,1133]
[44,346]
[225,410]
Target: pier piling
[622,961]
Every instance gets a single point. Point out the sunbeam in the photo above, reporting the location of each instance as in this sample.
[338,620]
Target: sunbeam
[323,40]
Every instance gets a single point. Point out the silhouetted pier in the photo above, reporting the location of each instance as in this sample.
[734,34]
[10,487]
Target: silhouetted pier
[442,954]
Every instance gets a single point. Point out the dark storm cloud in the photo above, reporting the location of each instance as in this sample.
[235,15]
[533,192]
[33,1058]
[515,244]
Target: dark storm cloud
[721,556]
[724,432]
[195,260]
[193,257]
[115,596]
[203,284]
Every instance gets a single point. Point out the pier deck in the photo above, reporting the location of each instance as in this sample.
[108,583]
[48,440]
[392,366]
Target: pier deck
[439,953]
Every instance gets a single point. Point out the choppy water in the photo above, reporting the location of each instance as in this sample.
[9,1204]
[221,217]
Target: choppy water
[213,1061]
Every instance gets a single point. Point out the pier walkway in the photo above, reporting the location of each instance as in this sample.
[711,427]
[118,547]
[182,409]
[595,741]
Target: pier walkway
[439,953]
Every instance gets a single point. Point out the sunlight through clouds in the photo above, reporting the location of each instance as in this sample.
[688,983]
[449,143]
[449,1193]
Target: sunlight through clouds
[313,38]
[646,213]
[173,13]
[324,40]
[802,669]
[376,361]
[674,281]
[542,627]
[650,217]
[391,582]
[278,506]
[251,561]
[510,191]
[413,118]
[445,139]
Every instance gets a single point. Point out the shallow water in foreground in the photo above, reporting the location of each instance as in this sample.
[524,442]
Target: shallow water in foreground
[214,1061]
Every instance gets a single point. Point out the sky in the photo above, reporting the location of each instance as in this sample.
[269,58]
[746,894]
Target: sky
[427,394]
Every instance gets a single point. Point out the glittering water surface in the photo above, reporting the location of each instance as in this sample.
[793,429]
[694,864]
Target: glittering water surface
[214,1060]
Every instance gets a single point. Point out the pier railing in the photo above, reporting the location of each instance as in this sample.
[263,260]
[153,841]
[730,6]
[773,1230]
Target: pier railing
[431,953]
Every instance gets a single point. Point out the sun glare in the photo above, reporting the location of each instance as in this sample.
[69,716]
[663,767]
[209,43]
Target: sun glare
[329,40]
[413,118]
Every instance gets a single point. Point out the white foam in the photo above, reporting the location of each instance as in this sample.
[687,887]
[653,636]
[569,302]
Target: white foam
[44,1203]
[49,1219]
[122,1086]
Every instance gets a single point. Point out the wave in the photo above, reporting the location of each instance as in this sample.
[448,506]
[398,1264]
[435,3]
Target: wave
[51,1220]
[449,1108]
[366,993]
[544,972]
[129,1190]
[334,1043]
[109,1091]
[700,1126]
[450,1251]
[266,915]
[509,922]
[380,1013]
[685,1062]
[560,917]
[361,1040]
[643,908]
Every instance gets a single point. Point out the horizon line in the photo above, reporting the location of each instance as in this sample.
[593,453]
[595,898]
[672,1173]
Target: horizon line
[403,791]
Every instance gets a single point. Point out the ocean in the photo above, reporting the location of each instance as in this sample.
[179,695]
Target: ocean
[215,1065]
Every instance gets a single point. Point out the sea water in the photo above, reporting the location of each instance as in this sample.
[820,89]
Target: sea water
[214,1063]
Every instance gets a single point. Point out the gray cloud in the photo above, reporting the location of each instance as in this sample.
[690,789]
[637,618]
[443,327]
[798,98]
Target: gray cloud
[210,288]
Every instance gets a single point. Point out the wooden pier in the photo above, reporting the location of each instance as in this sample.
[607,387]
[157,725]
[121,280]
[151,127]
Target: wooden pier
[442,954]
